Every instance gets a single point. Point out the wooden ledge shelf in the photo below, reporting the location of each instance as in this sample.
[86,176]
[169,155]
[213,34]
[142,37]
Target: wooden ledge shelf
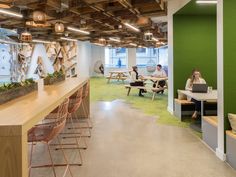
[211,120]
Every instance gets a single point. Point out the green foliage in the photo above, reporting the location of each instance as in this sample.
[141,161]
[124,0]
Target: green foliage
[56,74]
[14,85]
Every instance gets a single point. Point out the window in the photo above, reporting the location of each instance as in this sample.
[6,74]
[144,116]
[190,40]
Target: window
[116,57]
[145,56]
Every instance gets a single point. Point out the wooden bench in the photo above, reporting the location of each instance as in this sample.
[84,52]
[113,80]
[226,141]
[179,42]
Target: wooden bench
[183,108]
[231,148]
[210,108]
[123,78]
[157,90]
[136,87]
[209,131]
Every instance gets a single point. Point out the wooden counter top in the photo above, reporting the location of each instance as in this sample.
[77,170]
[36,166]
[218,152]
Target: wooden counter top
[19,115]
[211,120]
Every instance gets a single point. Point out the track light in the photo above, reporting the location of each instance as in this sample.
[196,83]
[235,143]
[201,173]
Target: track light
[133,44]
[11,13]
[114,39]
[132,27]
[155,39]
[41,41]
[78,30]
[68,39]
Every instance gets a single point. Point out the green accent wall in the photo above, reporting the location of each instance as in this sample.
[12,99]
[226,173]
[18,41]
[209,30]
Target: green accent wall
[229,59]
[195,46]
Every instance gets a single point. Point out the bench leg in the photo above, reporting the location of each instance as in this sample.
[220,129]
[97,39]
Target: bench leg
[153,96]
[128,91]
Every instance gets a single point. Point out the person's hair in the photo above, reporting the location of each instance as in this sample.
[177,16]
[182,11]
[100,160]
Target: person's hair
[159,65]
[134,68]
[192,77]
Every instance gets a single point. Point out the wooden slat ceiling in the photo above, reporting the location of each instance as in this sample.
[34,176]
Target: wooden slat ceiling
[102,18]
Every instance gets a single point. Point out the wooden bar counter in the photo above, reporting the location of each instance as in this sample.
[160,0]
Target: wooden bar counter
[19,115]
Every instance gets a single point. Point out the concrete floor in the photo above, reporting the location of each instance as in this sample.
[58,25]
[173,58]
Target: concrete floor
[127,143]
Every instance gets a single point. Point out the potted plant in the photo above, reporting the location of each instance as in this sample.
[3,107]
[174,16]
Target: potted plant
[14,90]
[54,78]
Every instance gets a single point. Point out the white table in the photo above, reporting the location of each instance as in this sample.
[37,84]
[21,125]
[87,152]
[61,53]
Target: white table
[210,96]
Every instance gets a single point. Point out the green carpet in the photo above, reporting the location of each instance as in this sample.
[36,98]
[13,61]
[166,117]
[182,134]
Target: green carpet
[101,91]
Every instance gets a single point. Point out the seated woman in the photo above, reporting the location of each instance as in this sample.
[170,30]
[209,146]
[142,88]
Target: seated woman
[195,78]
[134,80]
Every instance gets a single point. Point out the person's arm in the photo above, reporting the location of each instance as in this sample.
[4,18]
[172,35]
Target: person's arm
[188,85]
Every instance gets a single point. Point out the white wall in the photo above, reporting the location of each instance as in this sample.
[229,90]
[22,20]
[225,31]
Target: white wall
[97,53]
[173,6]
[84,58]
[39,50]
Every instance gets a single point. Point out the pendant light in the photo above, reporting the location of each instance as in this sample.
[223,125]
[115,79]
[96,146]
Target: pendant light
[59,27]
[148,36]
[102,41]
[39,17]
[26,36]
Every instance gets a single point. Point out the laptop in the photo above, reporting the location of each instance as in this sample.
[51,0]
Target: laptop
[200,88]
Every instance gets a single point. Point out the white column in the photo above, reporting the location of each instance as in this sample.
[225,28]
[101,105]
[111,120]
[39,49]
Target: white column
[173,6]
[131,59]
[84,58]
[220,82]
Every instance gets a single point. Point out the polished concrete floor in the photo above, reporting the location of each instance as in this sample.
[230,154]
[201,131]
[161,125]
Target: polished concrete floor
[127,143]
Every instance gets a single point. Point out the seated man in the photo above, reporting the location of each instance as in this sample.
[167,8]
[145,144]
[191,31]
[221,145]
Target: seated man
[160,73]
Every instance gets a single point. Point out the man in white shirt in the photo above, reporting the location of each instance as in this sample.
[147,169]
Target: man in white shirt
[160,73]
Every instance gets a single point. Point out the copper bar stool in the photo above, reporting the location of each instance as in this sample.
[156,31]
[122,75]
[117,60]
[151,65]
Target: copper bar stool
[86,118]
[74,105]
[45,133]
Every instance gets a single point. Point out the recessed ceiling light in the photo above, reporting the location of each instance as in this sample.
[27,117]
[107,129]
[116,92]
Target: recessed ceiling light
[11,13]
[206,2]
[132,27]
[78,30]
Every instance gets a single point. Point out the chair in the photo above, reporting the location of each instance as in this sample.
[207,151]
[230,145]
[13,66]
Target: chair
[85,109]
[45,133]
[79,101]
[87,119]
[74,104]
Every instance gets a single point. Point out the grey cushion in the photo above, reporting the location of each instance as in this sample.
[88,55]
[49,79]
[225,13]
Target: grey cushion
[232,120]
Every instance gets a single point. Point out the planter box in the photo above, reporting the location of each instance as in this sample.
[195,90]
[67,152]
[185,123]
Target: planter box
[11,94]
[51,81]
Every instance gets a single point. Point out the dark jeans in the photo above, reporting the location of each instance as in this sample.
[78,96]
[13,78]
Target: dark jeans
[197,105]
[161,84]
[138,83]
